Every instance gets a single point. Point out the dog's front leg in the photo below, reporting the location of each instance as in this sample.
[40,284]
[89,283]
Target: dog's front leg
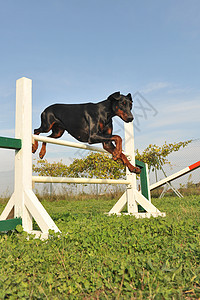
[108,146]
[100,138]
[118,146]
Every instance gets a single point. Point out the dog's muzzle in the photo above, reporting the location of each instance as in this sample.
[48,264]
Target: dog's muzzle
[129,119]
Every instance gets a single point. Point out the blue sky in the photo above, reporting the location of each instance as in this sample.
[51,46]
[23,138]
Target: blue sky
[79,51]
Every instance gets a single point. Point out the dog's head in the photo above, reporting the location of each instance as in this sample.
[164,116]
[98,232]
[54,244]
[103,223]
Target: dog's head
[121,106]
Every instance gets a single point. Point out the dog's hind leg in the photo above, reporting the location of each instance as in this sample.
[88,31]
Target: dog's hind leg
[35,145]
[47,122]
[57,132]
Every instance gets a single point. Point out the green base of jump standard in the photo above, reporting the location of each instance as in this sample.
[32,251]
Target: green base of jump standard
[10,224]
[143,182]
[10,143]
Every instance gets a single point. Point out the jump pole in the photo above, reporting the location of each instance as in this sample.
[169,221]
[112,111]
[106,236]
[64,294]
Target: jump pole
[175,175]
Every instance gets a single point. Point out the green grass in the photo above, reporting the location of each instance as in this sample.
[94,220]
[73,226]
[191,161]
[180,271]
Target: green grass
[101,257]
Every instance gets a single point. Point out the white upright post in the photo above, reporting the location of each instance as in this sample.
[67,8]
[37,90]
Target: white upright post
[130,150]
[128,197]
[132,197]
[23,201]
[23,157]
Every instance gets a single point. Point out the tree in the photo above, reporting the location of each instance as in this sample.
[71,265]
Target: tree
[55,169]
[156,156]
[94,165]
[98,165]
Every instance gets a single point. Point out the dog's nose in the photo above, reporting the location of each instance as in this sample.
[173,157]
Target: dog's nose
[130,119]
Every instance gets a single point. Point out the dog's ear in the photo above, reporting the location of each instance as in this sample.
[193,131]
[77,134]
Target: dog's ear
[115,95]
[129,97]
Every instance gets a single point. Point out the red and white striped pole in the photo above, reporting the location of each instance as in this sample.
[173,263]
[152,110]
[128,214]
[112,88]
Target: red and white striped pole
[175,175]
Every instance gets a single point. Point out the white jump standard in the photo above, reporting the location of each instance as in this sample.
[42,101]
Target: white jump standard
[23,203]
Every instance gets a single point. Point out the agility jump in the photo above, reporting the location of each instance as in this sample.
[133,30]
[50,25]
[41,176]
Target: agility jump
[25,205]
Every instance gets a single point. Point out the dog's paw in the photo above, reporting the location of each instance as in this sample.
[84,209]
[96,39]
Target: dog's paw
[42,154]
[34,148]
[116,155]
[135,170]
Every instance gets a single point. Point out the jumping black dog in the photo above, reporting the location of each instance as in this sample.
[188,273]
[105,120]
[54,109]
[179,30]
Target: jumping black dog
[90,123]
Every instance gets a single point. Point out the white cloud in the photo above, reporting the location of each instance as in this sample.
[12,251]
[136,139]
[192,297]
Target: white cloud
[169,88]
[177,113]
[155,86]
[175,90]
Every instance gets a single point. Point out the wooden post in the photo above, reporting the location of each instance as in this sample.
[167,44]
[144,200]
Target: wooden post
[132,197]
[23,157]
[130,150]
[23,201]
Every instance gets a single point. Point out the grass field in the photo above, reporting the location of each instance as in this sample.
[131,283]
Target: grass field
[101,257]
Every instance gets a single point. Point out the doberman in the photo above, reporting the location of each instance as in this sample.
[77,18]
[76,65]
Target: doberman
[90,123]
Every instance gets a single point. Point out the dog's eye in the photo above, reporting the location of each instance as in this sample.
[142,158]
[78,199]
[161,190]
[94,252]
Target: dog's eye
[124,103]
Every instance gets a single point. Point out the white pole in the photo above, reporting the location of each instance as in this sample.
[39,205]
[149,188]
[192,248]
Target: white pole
[128,197]
[175,175]
[49,140]
[46,179]
[23,157]
[130,150]
[23,201]
[67,143]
